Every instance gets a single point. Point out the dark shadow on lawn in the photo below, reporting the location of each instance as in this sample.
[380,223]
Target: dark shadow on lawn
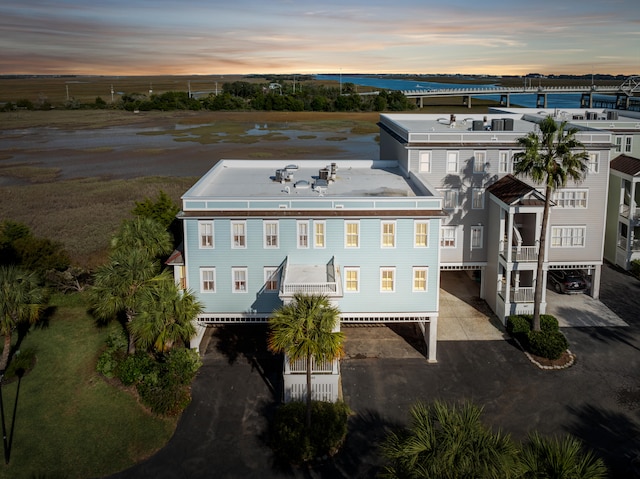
[613,436]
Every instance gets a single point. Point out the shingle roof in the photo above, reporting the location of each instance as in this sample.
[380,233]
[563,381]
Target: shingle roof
[626,164]
[511,190]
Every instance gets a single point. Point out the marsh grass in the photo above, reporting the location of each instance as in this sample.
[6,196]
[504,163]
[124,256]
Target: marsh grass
[83,214]
[69,422]
[32,174]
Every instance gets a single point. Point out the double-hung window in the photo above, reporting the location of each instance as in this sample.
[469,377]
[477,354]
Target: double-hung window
[570,198]
[421,234]
[318,234]
[448,236]
[420,274]
[387,280]
[207,280]
[270,234]
[452,161]
[239,278]
[303,234]
[388,234]
[476,237]
[205,232]
[568,236]
[477,200]
[594,162]
[628,144]
[424,162]
[352,234]
[450,199]
[503,162]
[238,234]
[270,279]
[352,279]
[479,161]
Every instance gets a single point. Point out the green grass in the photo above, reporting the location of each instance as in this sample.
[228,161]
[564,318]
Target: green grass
[69,422]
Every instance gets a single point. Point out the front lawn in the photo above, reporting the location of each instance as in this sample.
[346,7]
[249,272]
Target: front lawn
[69,422]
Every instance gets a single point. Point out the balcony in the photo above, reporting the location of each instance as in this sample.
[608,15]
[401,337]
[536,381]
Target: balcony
[519,295]
[310,279]
[630,212]
[299,366]
[521,254]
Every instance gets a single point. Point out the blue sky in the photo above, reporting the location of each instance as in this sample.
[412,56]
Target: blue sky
[140,37]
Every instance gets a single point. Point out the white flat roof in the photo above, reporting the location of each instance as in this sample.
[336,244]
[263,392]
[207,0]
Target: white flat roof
[256,179]
[441,122]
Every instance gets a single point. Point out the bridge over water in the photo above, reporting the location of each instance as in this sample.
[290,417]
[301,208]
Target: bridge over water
[625,94]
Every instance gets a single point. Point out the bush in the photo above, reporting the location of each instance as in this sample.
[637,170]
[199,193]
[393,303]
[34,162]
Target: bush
[115,353]
[547,344]
[289,439]
[133,368]
[518,324]
[635,268]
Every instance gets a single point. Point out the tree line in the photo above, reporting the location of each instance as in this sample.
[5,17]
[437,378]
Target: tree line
[242,95]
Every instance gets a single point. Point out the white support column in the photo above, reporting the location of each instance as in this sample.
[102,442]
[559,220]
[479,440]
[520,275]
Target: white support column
[432,338]
[595,282]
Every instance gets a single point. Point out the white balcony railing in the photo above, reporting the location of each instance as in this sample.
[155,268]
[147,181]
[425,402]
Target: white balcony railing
[309,288]
[631,212]
[518,295]
[299,366]
[522,254]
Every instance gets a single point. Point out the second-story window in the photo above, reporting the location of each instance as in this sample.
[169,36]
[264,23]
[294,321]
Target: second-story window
[388,234]
[205,231]
[239,234]
[479,161]
[352,234]
[318,234]
[421,236]
[270,234]
[303,234]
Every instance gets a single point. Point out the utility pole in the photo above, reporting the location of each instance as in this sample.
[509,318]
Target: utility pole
[111,93]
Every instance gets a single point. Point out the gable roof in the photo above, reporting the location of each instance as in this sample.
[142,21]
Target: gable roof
[626,164]
[512,191]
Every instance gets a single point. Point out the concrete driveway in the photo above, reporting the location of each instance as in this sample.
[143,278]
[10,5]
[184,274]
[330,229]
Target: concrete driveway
[223,433]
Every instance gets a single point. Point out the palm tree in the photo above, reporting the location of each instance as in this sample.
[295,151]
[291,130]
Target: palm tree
[447,442]
[143,232]
[549,157]
[119,286]
[544,458]
[21,302]
[166,316]
[304,328]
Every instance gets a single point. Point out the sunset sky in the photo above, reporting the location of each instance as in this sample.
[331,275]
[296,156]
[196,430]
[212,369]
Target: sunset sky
[140,37]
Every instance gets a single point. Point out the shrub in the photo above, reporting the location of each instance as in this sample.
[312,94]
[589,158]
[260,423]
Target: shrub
[547,344]
[289,439]
[133,368]
[635,268]
[548,323]
[518,324]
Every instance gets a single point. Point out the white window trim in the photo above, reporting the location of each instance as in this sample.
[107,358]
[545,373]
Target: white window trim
[202,271]
[571,238]
[473,202]
[265,224]
[562,201]
[504,167]
[457,164]
[481,230]
[271,276]
[619,142]
[456,199]
[426,279]
[477,170]
[382,234]
[244,270]
[628,144]
[415,234]
[346,234]
[324,234]
[594,162]
[233,235]
[202,232]
[348,269]
[424,160]
[393,279]
[299,224]
[455,236]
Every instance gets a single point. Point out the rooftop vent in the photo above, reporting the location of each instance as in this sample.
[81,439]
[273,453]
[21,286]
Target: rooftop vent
[284,175]
[301,184]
